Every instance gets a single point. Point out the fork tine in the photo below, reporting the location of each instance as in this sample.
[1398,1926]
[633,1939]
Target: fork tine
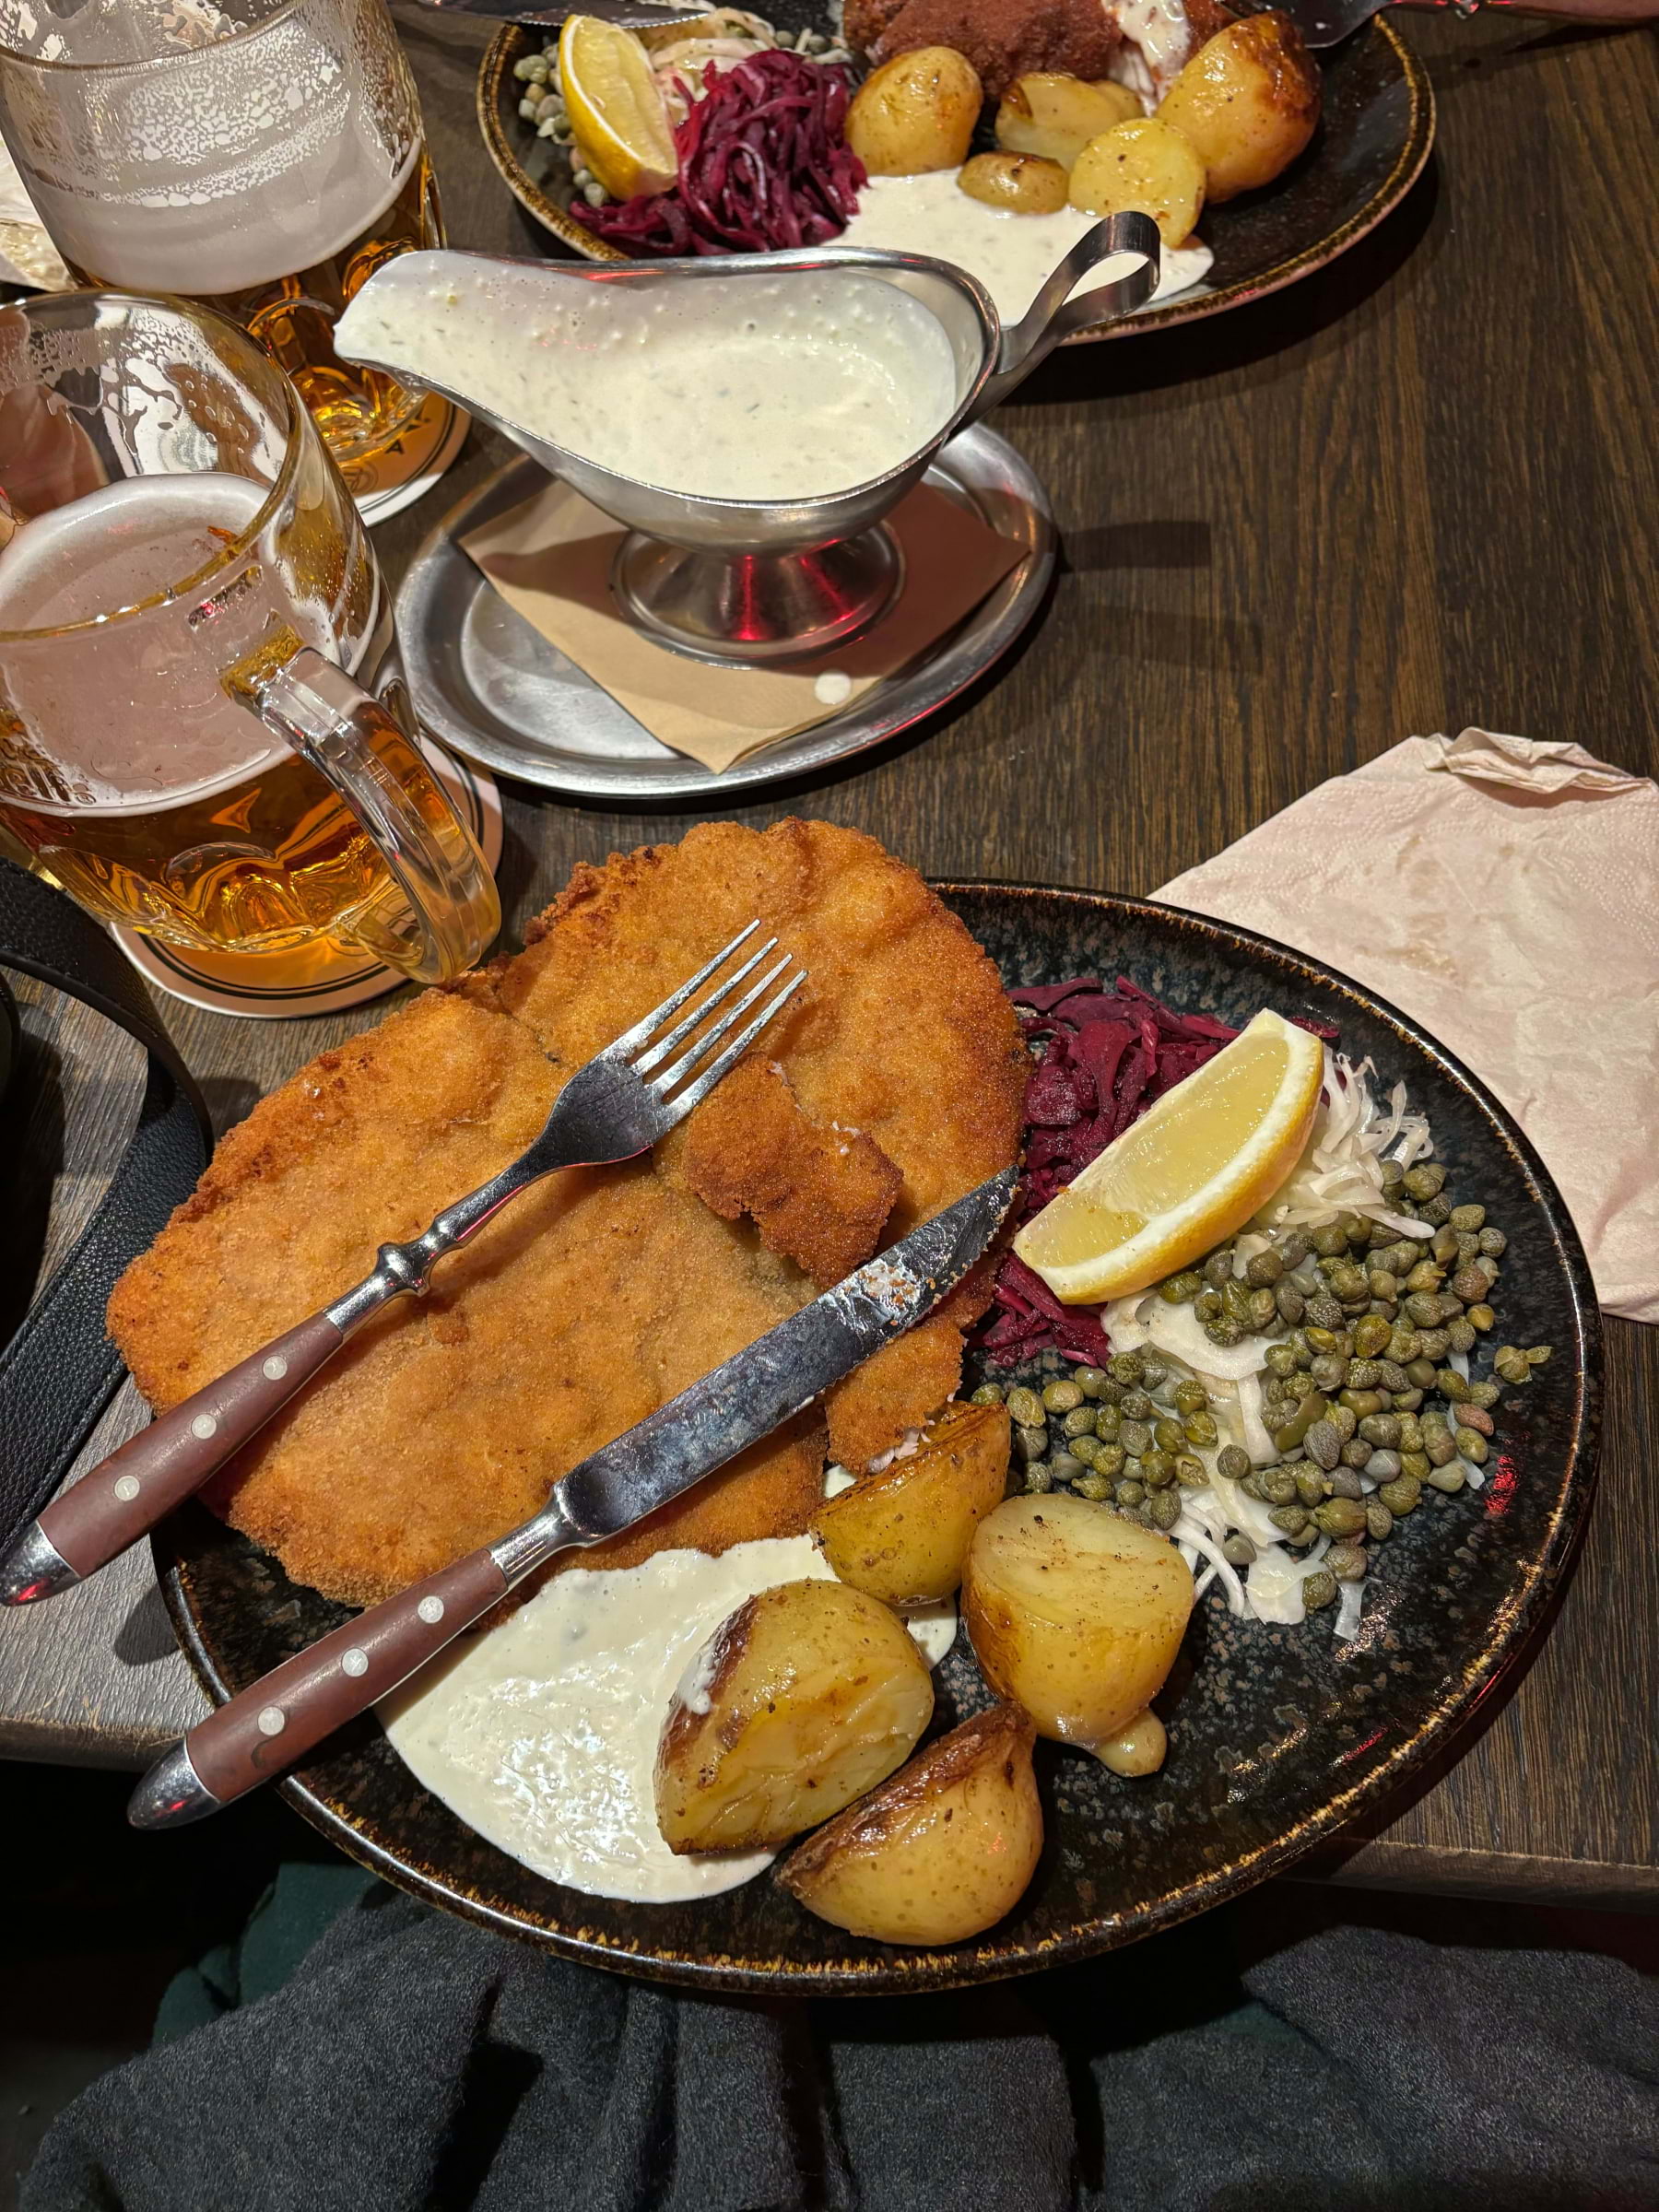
[647,1061]
[695,1093]
[646,1027]
[689,1059]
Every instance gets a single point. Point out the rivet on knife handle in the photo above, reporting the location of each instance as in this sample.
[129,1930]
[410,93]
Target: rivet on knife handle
[290,1711]
[138,1485]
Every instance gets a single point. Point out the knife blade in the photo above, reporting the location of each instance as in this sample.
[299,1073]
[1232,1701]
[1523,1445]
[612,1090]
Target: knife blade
[290,1711]
[627,15]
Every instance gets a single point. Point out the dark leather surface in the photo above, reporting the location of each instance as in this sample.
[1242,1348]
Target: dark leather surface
[59,1371]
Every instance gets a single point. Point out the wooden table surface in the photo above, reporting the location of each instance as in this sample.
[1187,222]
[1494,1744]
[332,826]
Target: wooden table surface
[1414,492]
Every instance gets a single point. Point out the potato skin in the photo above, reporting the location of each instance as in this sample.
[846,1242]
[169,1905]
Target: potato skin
[1057,116]
[1249,102]
[1144,164]
[914,113]
[1075,1612]
[942,1850]
[903,1534]
[810,1694]
[1021,183]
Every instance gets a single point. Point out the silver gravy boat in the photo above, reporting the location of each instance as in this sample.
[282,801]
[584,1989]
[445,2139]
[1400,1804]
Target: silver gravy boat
[774,580]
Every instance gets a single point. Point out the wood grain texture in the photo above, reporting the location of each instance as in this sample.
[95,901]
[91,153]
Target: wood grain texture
[1416,491]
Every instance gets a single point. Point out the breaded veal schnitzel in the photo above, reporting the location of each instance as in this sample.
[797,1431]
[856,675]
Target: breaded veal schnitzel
[892,1085]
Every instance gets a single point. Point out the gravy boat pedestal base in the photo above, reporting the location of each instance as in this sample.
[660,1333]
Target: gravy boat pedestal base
[757,607]
[744,581]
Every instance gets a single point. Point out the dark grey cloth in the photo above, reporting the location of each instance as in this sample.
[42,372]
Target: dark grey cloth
[413,2064]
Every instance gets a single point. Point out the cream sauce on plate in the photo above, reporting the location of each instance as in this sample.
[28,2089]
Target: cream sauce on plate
[542,1734]
[1010,255]
[783,389]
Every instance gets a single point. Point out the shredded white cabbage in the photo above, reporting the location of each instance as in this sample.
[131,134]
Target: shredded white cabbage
[1349,1604]
[1340,1171]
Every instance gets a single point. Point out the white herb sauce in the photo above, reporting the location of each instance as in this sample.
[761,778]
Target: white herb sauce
[542,1734]
[758,389]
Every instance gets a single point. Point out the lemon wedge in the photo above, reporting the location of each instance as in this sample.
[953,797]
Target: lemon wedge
[617,114]
[1193,1169]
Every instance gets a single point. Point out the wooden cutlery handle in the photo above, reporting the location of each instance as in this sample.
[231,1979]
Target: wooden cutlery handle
[288,1711]
[137,1486]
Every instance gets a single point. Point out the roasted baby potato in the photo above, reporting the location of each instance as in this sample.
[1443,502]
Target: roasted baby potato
[1075,1613]
[1021,183]
[802,1700]
[1057,116]
[915,113]
[1248,101]
[1143,164]
[941,1850]
[903,1534]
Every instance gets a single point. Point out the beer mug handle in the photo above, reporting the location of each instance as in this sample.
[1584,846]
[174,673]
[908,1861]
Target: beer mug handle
[452,910]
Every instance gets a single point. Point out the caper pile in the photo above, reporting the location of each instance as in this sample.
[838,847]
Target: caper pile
[1356,1383]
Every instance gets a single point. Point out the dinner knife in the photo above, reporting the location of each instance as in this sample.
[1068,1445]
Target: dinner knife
[627,15]
[290,1711]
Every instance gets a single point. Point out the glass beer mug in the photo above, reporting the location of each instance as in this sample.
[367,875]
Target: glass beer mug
[189,614]
[263,158]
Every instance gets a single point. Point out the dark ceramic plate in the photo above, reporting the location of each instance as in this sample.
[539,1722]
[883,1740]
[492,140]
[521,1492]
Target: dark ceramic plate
[1277,1735]
[1373,138]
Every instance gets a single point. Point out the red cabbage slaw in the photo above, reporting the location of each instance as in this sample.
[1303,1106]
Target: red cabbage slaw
[763,166]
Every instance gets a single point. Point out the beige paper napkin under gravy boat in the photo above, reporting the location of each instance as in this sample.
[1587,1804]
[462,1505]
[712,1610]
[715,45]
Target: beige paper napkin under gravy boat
[550,560]
[1506,894]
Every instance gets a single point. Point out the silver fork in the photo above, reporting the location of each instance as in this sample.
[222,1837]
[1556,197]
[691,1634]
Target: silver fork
[614,1107]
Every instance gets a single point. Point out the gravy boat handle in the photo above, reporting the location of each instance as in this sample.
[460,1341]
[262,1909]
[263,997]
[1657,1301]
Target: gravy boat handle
[1054,313]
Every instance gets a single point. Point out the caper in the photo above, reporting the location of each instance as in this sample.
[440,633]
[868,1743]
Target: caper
[1340,1517]
[1448,1479]
[1512,1364]
[1346,1483]
[1419,1374]
[1064,1467]
[1401,1495]
[1468,1216]
[1434,1343]
[1225,1331]
[1405,1345]
[1295,1429]
[1190,1473]
[1438,1447]
[1217,1268]
[1238,1551]
[1280,1360]
[1109,1422]
[1136,1437]
[1470,1285]
[1096,1487]
[1232,1462]
[1473,1417]
[1090,1379]
[1158,1469]
[1192,1397]
[1030,1443]
[1127,1368]
[1322,1445]
[1062,1397]
[1169,1436]
[1025,1408]
[1379,1520]
[1381,1428]
[1385,1287]
[1362,1401]
[1264,1310]
[1416,1463]
[1423,1308]
[988,1393]
[1038,1475]
[1437,1210]
[1472,1446]
[1363,1374]
[1292,1519]
[1138,1407]
[1348,1284]
[1251,1485]
[1348,1562]
[1321,1342]
[1318,1589]
[1207,1305]
[1288,1302]
[1312,1484]
[1480,1394]
[1540,1354]
[1180,1289]
[1343,1419]
[1426,1181]
[1152,1371]
[1235,1303]
[1383,1466]
[1371,1334]
[1130,1492]
[1109,1460]
[1200,1428]
[1444,1246]
[1165,1508]
[1494,1242]
[1357,1452]
[1328,1373]
[1079,1421]
[1459,1335]
[1411,1434]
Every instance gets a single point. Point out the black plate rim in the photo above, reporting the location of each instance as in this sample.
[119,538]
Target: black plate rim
[511,41]
[1508,1644]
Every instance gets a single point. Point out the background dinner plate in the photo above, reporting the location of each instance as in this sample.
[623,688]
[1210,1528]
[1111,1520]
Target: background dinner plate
[1277,1734]
[1374,137]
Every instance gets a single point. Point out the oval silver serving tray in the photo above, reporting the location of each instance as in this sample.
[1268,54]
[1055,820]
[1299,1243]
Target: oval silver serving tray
[492,688]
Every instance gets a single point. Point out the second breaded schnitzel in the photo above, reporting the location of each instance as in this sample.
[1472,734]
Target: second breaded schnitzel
[599,1294]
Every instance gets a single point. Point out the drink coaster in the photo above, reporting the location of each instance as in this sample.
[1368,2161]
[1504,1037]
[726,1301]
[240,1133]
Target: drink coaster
[325,977]
[407,471]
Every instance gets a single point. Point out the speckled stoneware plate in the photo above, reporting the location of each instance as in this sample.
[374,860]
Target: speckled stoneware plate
[1373,138]
[1277,1735]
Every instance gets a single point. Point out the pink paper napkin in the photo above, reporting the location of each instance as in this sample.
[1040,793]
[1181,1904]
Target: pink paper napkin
[1506,894]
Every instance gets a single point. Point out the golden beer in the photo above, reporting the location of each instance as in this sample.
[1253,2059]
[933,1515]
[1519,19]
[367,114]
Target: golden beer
[265,166]
[184,747]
